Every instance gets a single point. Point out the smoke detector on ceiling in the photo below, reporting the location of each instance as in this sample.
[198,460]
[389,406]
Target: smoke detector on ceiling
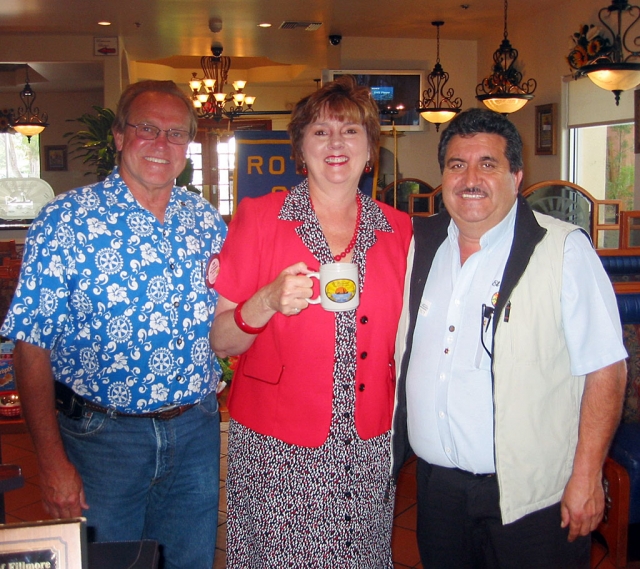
[215,25]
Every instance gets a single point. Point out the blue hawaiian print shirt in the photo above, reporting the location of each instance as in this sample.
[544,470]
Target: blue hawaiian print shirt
[119,298]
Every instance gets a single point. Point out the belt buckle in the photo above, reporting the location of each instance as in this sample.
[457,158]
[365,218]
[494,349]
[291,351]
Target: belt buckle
[169,413]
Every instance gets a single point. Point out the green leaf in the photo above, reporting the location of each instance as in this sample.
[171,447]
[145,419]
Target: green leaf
[95,144]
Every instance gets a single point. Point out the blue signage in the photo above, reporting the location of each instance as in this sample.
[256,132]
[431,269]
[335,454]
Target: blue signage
[263,164]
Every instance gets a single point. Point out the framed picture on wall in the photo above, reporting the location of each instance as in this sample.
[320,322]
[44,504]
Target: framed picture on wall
[55,158]
[546,131]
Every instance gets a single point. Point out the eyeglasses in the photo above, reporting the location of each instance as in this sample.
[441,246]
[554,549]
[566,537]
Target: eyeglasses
[150,132]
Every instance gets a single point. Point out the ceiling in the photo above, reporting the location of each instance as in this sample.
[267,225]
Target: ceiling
[177,32]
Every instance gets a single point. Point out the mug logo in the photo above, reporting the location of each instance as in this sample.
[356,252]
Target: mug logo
[340,290]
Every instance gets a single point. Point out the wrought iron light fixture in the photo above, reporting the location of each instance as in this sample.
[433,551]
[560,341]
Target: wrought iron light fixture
[438,105]
[207,92]
[503,91]
[609,62]
[29,122]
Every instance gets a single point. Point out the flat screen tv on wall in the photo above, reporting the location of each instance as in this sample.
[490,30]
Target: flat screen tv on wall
[396,92]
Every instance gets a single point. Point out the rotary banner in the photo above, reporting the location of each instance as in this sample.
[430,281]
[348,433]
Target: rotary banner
[263,164]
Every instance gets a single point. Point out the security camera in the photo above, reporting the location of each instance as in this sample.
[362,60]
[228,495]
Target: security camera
[216,49]
[335,39]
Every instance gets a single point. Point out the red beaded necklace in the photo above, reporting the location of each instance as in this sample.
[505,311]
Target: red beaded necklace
[352,243]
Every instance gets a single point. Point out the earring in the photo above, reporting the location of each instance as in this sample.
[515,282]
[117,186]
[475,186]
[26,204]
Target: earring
[304,169]
[367,168]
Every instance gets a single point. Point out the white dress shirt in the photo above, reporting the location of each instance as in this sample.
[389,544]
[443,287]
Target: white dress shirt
[449,391]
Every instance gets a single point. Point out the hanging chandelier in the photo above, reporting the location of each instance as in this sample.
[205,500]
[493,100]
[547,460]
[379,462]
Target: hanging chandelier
[29,122]
[208,97]
[438,106]
[503,91]
[609,62]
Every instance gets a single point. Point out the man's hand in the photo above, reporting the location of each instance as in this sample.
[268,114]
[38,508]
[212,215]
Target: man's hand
[62,490]
[60,483]
[582,505]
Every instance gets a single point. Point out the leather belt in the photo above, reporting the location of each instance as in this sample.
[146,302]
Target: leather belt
[72,404]
[473,474]
[167,414]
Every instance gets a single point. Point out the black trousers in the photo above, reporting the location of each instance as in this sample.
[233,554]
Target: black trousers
[459,527]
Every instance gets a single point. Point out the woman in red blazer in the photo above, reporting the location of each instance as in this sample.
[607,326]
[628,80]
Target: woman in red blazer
[312,396]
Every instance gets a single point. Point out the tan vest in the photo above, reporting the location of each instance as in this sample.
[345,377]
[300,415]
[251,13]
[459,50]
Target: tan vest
[536,399]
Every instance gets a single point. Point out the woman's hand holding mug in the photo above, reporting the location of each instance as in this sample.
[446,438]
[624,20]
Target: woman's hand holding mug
[339,289]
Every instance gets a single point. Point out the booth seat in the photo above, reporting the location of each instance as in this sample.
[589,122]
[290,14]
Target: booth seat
[624,271]
[619,266]
[625,450]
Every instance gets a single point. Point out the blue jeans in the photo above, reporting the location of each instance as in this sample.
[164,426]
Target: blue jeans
[151,479]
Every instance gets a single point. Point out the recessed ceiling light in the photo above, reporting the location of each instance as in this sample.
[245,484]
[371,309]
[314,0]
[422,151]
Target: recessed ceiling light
[264,25]
[104,23]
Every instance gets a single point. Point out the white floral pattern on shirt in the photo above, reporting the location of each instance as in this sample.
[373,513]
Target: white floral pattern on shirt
[119,298]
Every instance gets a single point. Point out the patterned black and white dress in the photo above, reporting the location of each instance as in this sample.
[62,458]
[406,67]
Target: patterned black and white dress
[325,507]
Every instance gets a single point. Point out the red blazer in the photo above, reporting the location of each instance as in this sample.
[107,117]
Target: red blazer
[283,385]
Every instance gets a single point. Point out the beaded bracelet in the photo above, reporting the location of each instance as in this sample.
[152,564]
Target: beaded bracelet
[240,323]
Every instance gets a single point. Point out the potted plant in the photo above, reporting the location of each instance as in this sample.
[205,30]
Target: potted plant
[95,144]
[228,366]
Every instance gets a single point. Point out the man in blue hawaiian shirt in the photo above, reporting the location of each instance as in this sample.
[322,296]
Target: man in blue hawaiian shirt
[111,320]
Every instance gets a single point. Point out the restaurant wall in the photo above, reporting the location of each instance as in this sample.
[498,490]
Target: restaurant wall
[67,48]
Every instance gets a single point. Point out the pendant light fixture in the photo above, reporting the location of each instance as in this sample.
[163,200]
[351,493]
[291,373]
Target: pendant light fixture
[29,122]
[438,105]
[207,92]
[503,91]
[609,62]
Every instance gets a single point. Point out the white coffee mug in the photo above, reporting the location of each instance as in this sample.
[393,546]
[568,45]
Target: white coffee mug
[338,287]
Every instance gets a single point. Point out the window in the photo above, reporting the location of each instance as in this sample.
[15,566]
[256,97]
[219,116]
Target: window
[213,153]
[601,154]
[225,146]
[226,150]
[602,161]
[19,158]
[194,152]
